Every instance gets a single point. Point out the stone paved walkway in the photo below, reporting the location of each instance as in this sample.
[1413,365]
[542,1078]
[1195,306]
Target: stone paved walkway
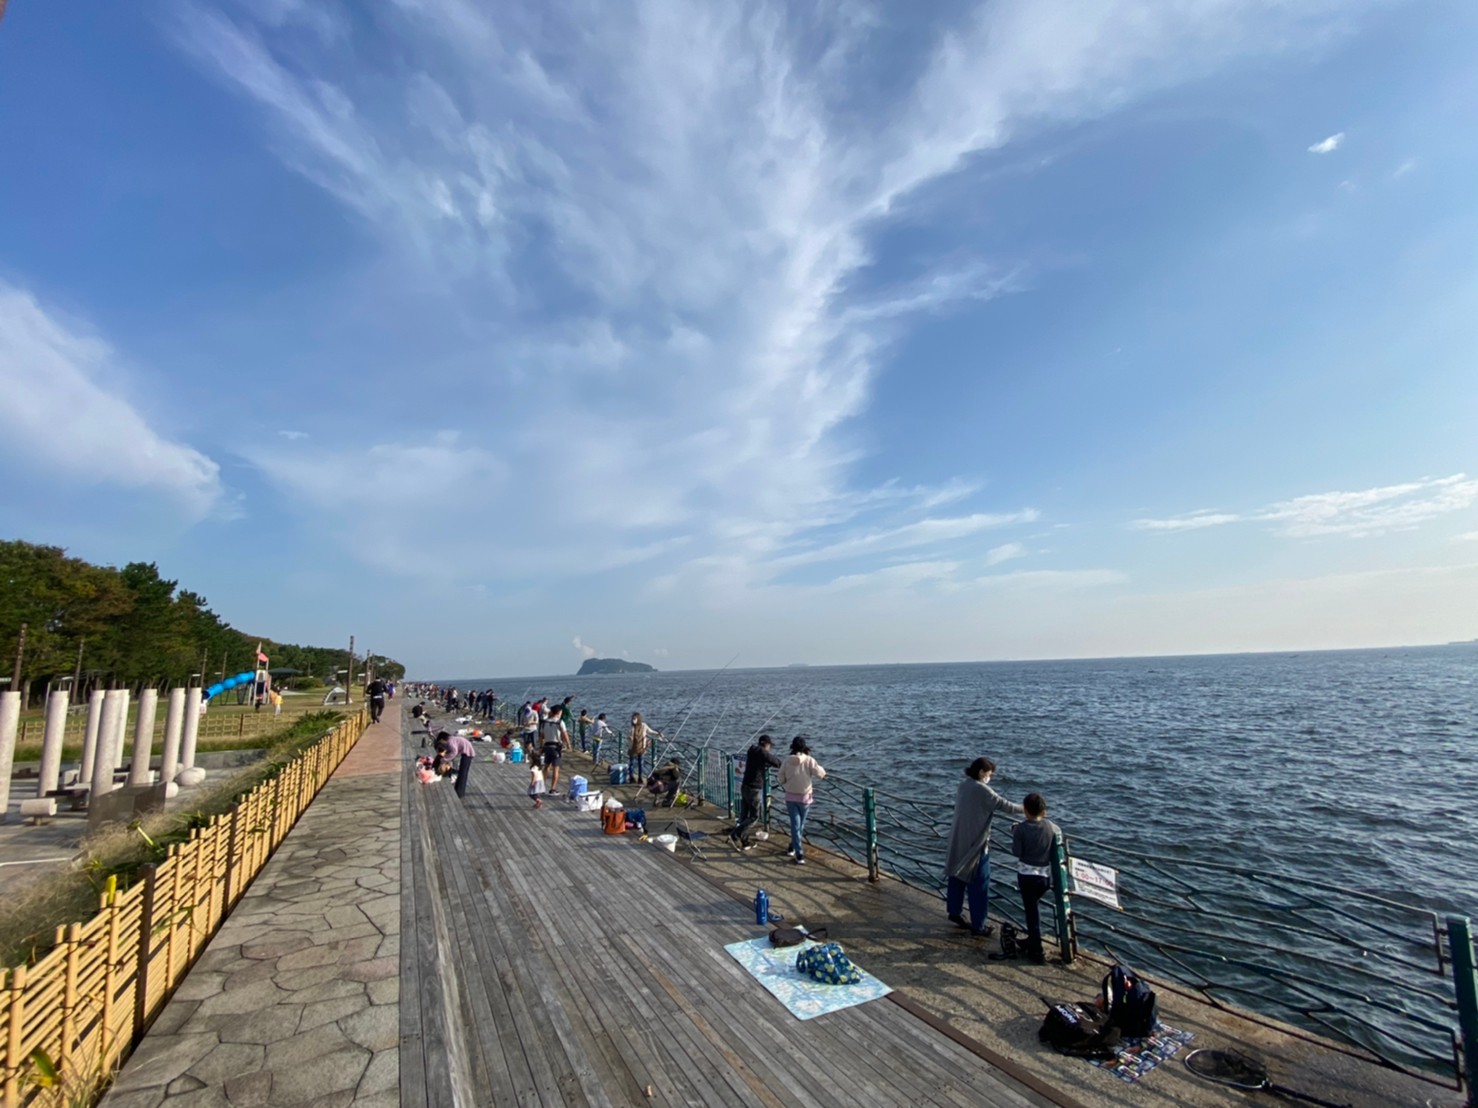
[296,999]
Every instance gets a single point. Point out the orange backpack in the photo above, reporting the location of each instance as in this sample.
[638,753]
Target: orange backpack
[613,820]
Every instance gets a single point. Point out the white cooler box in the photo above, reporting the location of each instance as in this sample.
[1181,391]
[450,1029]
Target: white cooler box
[587,802]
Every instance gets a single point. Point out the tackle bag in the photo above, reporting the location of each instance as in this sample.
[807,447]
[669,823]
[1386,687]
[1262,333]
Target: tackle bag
[794,936]
[1130,1003]
[1079,1030]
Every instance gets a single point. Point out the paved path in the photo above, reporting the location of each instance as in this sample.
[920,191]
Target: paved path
[296,999]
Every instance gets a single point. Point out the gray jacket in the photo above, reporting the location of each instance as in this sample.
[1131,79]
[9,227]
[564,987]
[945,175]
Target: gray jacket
[969,835]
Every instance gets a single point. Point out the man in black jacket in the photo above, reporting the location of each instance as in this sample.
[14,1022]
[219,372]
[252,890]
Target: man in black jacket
[752,789]
[375,690]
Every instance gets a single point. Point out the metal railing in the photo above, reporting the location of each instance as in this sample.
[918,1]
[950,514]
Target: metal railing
[1387,981]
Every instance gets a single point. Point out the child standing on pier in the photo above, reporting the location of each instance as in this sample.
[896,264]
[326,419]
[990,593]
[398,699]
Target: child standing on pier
[1032,842]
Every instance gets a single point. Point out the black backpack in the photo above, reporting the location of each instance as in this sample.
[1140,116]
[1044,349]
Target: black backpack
[1130,1003]
[1078,1029]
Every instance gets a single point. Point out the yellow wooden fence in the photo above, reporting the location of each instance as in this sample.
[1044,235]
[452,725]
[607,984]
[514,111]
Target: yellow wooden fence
[87,1002]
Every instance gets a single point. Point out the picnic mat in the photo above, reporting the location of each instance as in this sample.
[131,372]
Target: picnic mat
[1133,1058]
[774,968]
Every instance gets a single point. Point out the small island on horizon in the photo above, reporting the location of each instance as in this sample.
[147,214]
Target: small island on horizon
[613,665]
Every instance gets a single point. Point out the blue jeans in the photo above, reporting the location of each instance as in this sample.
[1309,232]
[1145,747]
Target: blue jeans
[636,766]
[595,751]
[797,813]
[978,889]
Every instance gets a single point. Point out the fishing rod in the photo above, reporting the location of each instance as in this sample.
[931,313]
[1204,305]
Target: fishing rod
[693,703]
[701,753]
[708,743]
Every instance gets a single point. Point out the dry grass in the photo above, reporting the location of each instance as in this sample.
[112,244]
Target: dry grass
[29,920]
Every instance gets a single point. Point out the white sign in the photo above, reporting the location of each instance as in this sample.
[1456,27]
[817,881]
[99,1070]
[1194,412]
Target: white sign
[1100,883]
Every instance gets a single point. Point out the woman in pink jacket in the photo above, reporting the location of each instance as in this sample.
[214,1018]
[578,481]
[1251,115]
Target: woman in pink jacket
[796,775]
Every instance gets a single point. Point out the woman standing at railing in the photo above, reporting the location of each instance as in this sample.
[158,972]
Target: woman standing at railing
[638,743]
[796,775]
[968,863]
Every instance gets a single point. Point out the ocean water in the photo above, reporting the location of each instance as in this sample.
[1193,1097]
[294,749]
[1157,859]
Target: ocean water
[1358,768]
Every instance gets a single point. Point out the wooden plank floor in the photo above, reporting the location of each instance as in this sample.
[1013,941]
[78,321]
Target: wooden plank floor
[545,963]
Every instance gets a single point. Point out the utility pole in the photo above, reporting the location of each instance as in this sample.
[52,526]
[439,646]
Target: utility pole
[77,676]
[349,676]
[20,653]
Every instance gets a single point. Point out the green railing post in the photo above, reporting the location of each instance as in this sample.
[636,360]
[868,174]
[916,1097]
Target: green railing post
[1465,984]
[729,775]
[765,801]
[1063,912]
[870,813]
[702,776]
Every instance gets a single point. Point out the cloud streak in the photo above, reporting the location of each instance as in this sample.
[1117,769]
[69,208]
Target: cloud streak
[1362,514]
[64,416]
[1328,145]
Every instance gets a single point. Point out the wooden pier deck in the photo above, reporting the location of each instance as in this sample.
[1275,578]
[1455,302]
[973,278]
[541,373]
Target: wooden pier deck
[545,963]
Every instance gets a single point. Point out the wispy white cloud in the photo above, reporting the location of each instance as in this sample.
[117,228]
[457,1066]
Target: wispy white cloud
[1405,168]
[1192,521]
[65,414]
[1328,145]
[583,650]
[661,216]
[1361,514]
[1004,553]
[293,436]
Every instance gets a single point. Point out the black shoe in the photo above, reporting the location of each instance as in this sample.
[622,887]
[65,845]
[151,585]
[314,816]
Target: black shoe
[959,921]
[986,933]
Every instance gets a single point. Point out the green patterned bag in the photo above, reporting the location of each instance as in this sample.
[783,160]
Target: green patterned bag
[829,964]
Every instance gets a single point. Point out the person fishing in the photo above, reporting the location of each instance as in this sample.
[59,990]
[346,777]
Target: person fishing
[600,731]
[761,756]
[796,775]
[967,864]
[665,782]
[637,745]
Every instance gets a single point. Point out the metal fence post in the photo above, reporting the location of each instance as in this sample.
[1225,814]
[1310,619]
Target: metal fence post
[729,774]
[1465,984]
[1063,911]
[870,814]
[702,776]
[765,800]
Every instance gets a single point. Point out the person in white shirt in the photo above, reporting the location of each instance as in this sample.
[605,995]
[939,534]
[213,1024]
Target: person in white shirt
[600,731]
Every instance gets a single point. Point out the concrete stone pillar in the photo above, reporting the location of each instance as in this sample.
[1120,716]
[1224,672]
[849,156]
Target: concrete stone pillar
[174,723]
[110,735]
[143,737]
[120,745]
[186,775]
[10,721]
[51,742]
[90,739]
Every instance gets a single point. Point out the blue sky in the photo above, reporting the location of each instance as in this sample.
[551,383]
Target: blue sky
[498,335]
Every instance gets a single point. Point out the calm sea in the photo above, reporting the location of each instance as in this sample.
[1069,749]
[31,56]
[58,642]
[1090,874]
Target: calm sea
[1354,767]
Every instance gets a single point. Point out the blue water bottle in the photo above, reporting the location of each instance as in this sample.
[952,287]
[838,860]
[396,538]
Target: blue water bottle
[761,907]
